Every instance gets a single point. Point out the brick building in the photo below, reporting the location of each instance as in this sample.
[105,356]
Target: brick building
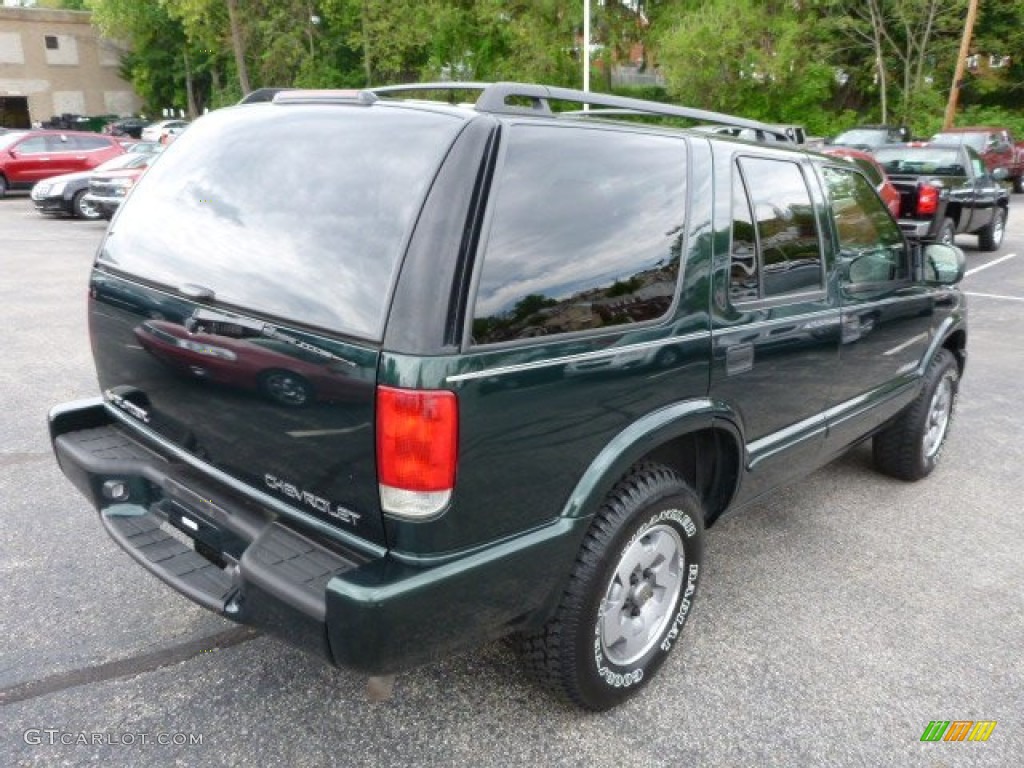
[55,62]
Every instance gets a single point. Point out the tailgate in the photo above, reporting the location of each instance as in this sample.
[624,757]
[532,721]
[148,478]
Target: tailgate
[285,411]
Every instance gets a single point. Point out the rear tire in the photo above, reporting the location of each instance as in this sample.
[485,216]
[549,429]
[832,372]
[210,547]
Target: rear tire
[990,237]
[629,593]
[1018,184]
[910,447]
[946,233]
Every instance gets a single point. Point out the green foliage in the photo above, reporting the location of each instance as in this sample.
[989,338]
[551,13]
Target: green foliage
[1005,118]
[775,60]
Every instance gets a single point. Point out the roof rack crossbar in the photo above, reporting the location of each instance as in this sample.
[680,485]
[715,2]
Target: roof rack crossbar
[494,98]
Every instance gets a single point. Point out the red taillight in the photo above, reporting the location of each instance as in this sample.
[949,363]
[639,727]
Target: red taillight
[417,449]
[927,199]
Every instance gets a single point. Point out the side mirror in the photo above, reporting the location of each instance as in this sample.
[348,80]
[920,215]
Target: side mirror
[1000,174]
[944,264]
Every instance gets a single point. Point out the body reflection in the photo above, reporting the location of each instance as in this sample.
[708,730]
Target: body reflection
[281,371]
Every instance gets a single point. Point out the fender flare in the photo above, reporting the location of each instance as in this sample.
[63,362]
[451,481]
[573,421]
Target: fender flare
[639,439]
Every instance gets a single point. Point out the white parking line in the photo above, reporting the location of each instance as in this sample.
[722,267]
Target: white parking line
[1000,260]
[995,296]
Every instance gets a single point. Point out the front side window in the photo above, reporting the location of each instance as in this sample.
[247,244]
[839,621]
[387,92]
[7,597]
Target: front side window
[871,247]
[776,250]
[586,232]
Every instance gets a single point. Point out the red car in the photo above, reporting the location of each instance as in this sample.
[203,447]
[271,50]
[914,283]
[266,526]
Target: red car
[875,173]
[286,373]
[28,156]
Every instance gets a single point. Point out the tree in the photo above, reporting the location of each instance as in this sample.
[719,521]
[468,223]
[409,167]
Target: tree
[746,57]
[912,44]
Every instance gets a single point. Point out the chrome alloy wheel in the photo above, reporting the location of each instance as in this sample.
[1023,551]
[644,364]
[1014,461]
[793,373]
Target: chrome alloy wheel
[939,412]
[638,604]
[998,227]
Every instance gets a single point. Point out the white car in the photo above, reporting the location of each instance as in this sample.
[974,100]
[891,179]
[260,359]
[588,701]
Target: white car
[154,131]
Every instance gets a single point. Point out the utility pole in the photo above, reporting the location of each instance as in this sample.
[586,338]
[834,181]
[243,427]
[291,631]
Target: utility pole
[961,62]
[586,50]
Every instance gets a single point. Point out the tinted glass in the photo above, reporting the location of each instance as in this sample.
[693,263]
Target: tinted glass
[871,137]
[870,242]
[745,273]
[975,140]
[586,232]
[788,246]
[300,212]
[33,146]
[88,143]
[870,170]
[937,161]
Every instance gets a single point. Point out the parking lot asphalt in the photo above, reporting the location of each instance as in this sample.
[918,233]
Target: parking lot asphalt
[837,619]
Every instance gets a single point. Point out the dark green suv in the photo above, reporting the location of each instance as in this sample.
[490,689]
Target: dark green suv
[431,374]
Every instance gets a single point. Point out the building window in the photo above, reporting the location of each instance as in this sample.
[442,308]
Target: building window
[51,42]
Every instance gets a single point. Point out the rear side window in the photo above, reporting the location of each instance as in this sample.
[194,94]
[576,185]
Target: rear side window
[776,249]
[298,212]
[586,232]
[89,143]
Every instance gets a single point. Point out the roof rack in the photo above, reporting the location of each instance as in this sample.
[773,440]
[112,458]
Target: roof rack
[495,99]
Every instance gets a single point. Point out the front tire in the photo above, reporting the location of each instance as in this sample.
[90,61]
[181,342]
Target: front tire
[990,237]
[629,594]
[83,209]
[1018,184]
[910,447]
[3,186]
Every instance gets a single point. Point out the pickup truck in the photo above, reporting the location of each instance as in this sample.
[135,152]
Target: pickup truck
[946,190]
[995,146]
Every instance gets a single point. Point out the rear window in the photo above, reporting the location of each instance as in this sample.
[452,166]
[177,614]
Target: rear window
[974,140]
[914,160]
[298,212]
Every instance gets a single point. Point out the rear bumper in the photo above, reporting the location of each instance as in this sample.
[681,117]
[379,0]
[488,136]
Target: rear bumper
[919,230]
[373,614]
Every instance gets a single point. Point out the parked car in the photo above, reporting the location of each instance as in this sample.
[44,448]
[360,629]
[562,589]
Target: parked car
[996,146]
[143,147]
[126,126]
[28,156]
[875,173]
[108,189]
[67,194]
[154,131]
[945,190]
[457,260]
[868,137]
[170,133]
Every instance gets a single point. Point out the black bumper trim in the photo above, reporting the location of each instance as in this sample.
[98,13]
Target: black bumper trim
[169,559]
